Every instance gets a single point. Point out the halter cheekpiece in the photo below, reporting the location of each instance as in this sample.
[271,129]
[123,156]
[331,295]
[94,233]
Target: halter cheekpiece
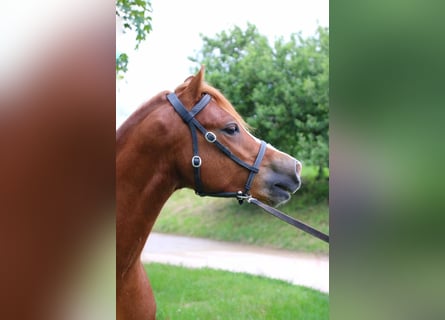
[189,118]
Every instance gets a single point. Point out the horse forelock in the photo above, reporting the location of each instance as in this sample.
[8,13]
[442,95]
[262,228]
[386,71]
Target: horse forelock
[224,104]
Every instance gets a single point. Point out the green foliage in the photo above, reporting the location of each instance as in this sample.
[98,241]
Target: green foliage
[135,15]
[313,190]
[281,90]
[121,65]
[183,293]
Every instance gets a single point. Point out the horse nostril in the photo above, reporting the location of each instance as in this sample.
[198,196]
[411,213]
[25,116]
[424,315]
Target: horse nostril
[298,167]
[298,182]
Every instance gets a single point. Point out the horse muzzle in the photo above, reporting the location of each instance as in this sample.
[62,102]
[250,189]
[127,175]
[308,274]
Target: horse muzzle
[281,180]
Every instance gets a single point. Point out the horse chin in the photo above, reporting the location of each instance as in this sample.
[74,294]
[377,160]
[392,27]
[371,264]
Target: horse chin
[274,197]
[279,200]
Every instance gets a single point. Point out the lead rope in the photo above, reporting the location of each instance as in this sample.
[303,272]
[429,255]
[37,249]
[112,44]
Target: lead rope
[292,221]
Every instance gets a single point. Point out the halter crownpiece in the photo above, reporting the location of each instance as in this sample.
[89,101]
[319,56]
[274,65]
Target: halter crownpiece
[189,118]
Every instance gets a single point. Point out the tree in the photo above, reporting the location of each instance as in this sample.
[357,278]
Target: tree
[281,90]
[135,15]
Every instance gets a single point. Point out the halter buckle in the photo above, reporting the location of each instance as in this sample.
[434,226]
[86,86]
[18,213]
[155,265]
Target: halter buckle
[196,161]
[210,136]
[241,196]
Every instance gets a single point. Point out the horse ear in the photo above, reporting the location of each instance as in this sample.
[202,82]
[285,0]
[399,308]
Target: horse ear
[195,85]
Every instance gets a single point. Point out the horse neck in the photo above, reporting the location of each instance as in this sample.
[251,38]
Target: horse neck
[142,188]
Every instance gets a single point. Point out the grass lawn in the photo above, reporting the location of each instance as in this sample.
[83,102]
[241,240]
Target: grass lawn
[194,294]
[224,219]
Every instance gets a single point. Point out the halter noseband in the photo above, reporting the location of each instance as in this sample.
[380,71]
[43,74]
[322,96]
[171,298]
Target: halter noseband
[189,118]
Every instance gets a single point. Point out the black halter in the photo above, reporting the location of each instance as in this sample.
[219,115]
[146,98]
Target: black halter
[189,118]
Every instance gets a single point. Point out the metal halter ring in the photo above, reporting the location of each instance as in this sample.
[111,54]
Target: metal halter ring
[196,161]
[210,136]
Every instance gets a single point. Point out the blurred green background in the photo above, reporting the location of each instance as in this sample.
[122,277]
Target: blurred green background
[386,202]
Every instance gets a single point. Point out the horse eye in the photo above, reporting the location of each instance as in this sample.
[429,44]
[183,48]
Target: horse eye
[231,129]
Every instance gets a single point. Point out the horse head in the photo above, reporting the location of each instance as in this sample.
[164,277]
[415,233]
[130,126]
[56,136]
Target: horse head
[278,175]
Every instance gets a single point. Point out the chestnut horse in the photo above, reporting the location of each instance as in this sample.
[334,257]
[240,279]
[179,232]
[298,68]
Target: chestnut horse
[158,151]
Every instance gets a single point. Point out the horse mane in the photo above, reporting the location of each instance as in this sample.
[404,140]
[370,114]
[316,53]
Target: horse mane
[141,113]
[148,106]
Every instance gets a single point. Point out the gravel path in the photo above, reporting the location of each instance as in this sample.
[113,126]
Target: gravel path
[298,268]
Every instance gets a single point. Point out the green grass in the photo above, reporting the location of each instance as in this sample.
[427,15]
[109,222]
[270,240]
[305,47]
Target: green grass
[194,294]
[224,219]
